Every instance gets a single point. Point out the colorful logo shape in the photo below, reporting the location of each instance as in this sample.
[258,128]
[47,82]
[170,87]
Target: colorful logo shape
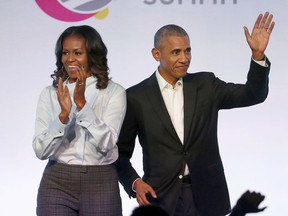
[74,10]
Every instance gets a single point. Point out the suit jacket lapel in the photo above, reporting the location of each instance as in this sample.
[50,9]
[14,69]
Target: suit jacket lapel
[155,97]
[189,92]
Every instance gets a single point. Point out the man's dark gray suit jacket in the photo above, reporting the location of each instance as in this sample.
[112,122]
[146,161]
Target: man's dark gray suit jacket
[164,156]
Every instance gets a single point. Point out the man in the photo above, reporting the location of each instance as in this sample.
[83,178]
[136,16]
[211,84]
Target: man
[174,114]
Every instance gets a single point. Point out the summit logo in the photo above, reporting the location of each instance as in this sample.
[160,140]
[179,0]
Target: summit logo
[74,10]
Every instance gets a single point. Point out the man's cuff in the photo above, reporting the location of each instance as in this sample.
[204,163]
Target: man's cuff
[263,62]
[134,184]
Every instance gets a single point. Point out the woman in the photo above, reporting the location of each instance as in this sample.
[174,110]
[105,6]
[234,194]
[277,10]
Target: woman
[77,125]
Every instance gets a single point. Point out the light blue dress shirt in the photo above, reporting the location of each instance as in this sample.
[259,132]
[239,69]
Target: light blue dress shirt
[90,135]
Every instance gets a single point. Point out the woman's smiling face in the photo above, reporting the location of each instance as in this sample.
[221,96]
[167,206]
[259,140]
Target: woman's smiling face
[74,55]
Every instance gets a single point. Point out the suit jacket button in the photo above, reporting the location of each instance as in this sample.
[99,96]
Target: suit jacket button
[180,176]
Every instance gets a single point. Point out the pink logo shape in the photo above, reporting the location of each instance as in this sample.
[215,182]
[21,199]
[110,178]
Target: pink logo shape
[54,9]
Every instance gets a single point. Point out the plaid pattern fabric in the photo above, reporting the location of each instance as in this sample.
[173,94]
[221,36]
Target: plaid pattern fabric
[79,190]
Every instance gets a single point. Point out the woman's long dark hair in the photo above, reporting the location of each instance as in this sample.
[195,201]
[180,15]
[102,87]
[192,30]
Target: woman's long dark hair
[96,52]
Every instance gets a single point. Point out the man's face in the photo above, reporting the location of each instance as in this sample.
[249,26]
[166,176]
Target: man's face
[174,55]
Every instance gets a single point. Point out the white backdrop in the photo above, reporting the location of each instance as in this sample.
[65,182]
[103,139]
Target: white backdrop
[253,140]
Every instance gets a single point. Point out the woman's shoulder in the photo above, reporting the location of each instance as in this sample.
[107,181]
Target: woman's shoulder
[48,89]
[47,92]
[115,86]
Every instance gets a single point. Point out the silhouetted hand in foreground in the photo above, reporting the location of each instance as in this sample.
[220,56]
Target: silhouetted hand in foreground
[248,203]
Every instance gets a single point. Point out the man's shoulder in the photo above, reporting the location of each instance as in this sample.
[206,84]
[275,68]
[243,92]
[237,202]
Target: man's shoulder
[152,81]
[146,83]
[198,76]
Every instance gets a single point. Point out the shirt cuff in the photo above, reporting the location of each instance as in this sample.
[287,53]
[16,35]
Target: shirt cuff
[261,62]
[134,183]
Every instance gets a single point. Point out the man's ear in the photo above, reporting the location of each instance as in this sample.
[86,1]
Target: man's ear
[156,54]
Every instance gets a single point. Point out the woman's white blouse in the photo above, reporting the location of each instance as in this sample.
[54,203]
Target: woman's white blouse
[90,136]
